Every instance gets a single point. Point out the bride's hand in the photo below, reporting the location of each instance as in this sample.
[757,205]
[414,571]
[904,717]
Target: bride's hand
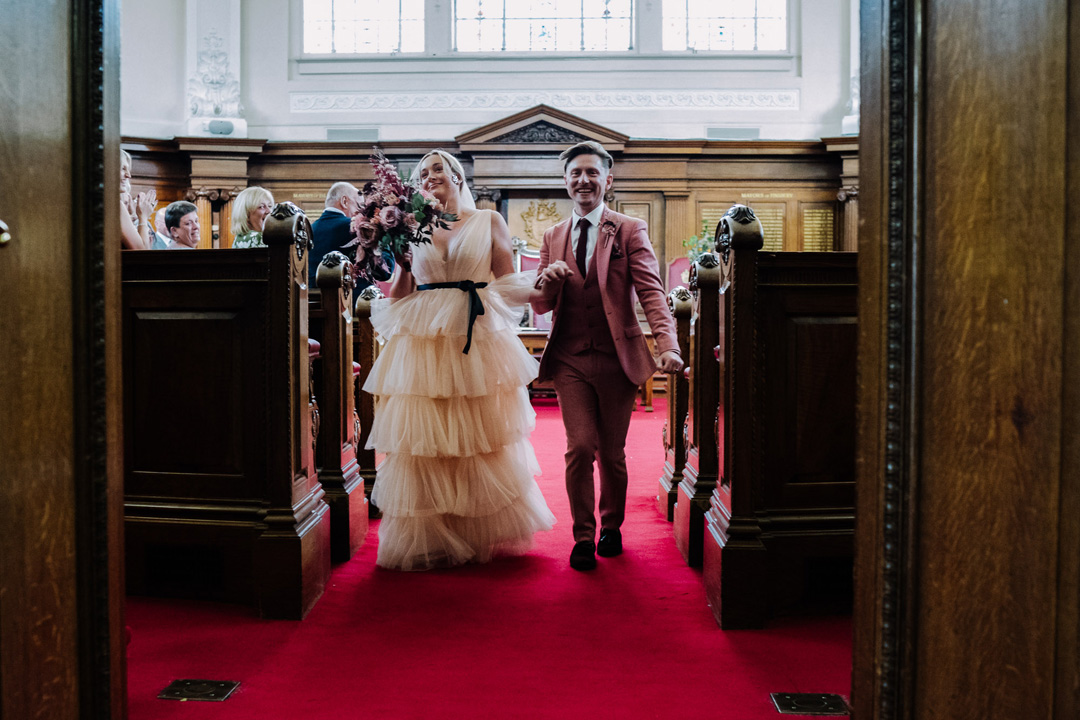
[404,260]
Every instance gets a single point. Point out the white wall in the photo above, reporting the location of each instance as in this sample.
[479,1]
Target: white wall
[803,95]
[152,78]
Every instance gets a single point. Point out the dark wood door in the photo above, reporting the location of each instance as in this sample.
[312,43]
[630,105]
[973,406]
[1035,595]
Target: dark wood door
[61,654]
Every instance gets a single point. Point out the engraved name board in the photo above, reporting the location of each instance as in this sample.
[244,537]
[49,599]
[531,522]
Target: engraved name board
[817,229]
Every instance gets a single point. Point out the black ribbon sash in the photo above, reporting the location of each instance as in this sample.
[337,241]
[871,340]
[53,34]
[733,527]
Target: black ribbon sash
[476,305]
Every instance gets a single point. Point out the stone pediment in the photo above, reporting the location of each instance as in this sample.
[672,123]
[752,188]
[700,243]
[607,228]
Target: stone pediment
[539,129]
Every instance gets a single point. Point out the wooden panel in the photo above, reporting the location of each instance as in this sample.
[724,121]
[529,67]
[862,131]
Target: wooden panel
[213,509]
[39,674]
[992,353]
[817,226]
[968,453]
[61,593]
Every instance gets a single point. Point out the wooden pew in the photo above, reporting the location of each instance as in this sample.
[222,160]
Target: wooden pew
[781,517]
[221,496]
[701,469]
[680,302]
[365,350]
[331,321]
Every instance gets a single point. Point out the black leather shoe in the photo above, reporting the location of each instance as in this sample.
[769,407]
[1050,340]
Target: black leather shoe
[583,556]
[610,543]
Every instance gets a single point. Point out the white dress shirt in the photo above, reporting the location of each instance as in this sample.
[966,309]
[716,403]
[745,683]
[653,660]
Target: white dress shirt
[594,232]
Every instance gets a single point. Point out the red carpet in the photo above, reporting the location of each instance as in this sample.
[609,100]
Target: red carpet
[523,637]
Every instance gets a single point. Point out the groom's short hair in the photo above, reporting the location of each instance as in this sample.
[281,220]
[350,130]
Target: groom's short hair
[589,147]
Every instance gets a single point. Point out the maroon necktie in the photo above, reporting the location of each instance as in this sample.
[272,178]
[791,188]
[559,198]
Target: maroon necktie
[582,244]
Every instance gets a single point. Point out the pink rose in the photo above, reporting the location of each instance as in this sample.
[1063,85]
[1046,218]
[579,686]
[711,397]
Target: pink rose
[390,216]
[412,223]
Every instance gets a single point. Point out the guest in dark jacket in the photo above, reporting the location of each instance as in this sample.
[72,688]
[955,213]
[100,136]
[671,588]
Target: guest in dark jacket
[332,232]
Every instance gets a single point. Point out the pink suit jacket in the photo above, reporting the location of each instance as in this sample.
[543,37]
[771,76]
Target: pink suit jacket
[625,267]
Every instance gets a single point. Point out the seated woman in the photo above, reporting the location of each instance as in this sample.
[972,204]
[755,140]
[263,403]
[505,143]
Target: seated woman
[134,212]
[250,209]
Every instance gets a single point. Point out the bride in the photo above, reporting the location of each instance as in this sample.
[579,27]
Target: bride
[453,413]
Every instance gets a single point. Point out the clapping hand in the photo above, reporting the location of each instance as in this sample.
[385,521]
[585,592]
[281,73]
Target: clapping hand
[555,273]
[145,204]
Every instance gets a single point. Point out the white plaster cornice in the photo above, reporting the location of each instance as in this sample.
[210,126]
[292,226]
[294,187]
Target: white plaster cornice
[331,102]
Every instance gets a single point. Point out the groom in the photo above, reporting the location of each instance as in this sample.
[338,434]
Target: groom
[591,266]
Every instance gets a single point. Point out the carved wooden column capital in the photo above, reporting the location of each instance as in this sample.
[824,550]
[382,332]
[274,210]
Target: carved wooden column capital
[486,198]
[849,192]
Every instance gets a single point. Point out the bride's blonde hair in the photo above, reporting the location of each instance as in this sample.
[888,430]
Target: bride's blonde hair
[456,168]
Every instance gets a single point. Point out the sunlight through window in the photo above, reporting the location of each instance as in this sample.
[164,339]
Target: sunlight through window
[725,25]
[363,26]
[543,25]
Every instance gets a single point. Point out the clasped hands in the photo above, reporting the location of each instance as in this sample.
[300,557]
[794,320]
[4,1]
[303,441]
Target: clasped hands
[555,273]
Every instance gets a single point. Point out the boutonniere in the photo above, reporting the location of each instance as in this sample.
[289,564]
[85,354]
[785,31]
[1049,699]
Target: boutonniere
[608,229]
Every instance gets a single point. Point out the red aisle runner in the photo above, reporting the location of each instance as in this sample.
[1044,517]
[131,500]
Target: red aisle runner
[523,637]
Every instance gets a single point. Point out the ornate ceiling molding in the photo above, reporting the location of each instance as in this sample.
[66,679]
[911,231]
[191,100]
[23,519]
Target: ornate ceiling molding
[330,102]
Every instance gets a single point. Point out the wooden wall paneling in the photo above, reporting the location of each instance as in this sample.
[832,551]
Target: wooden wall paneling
[644,209]
[160,165]
[817,226]
[678,225]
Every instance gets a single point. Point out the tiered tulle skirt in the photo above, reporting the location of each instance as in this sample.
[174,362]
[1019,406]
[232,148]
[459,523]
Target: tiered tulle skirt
[456,484]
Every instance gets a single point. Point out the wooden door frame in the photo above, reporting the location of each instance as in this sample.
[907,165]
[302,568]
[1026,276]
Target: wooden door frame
[98,469]
[891,45]
[886,529]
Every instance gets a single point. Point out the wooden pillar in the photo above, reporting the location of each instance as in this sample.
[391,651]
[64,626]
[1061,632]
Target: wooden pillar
[680,301]
[365,352]
[201,198]
[292,555]
[701,470]
[486,198]
[847,197]
[225,236]
[734,560]
[335,447]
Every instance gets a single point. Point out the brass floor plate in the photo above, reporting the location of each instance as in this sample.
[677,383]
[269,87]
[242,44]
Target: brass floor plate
[203,690]
[809,704]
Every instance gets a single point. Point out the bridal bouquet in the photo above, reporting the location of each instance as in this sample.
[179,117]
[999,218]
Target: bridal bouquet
[393,214]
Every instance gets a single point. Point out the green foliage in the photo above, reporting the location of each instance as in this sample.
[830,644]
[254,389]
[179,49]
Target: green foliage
[696,245]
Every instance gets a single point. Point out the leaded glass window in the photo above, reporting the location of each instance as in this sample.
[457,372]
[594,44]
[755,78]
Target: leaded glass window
[543,25]
[363,26]
[725,25]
